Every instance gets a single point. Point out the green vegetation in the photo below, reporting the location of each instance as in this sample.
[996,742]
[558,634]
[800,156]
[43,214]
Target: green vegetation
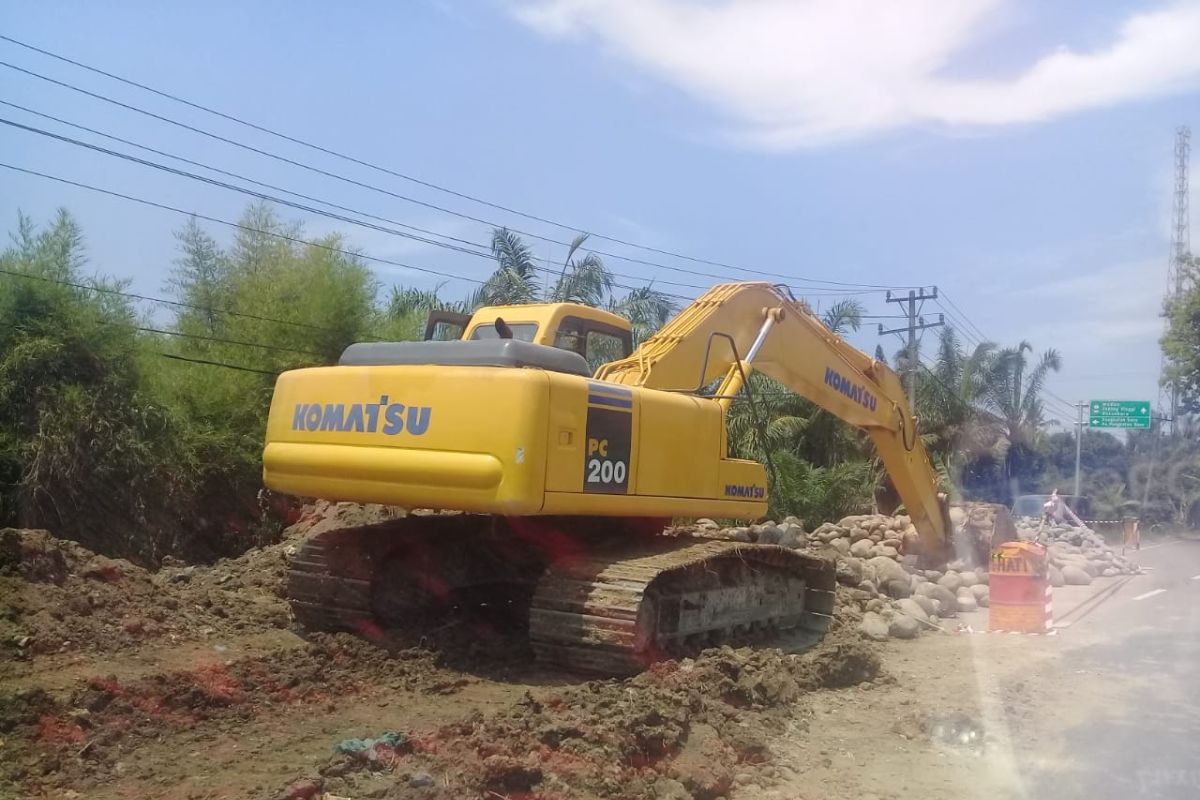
[137,428]
[144,444]
[1181,341]
[84,446]
[984,425]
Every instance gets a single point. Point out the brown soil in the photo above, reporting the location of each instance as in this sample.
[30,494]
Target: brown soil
[122,683]
[58,598]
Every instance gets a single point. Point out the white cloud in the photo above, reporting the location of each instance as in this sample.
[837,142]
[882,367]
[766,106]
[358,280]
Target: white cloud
[1115,304]
[803,72]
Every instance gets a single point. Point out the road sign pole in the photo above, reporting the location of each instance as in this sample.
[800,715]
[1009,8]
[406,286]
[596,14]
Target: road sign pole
[1078,444]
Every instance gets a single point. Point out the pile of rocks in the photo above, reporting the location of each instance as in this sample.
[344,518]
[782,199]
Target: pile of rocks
[876,568]
[862,536]
[1077,555]
[884,591]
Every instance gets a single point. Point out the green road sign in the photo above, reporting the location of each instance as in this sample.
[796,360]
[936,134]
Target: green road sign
[1119,414]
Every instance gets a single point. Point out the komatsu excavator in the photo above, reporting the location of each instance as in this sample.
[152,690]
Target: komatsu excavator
[551,456]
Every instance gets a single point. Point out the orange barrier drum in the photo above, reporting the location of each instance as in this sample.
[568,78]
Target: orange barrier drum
[1019,589]
[1131,534]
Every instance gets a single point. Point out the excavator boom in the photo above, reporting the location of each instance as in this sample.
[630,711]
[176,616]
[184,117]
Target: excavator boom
[734,328]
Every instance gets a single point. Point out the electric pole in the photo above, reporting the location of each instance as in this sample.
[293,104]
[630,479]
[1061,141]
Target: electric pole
[908,304]
[1078,443]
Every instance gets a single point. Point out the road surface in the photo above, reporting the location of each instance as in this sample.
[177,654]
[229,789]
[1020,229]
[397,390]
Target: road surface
[1107,708]
[1131,658]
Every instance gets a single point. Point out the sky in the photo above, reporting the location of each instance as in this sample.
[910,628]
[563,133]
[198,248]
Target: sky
[1017,155]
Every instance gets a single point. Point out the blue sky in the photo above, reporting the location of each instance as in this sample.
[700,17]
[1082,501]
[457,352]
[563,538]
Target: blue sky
[1016,154]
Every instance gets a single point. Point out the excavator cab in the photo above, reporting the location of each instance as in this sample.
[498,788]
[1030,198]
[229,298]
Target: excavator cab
[596,335]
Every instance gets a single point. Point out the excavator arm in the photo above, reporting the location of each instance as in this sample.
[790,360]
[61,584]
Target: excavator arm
[736,328]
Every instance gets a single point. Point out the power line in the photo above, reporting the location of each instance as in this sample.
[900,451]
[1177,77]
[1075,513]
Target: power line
[984,338]
[240,226]
[222,364]
[174,356]
[275,199]
[485,250]
[394,173]
[227,173]
[951,393]
[960,327]
[963,314]
[299,206]
[221,340]
[335,176]
[180,334]
[1061,400]
[237,225]
[146,298]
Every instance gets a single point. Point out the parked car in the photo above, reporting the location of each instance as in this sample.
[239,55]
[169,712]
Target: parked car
[1030,505]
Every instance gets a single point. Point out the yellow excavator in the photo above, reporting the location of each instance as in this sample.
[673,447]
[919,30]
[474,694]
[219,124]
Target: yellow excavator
[551,455]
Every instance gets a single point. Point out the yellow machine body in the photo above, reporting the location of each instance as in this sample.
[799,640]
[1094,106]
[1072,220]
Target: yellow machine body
[642,436]
[503,441]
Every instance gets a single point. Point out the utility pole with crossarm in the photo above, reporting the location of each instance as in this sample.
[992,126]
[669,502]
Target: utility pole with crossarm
[915,323]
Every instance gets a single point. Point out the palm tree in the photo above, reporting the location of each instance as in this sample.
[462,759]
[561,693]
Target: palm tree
[515,278]
[647,310]
[1012,399]
[947,402]
[844,314]
[406,300]
[585,280]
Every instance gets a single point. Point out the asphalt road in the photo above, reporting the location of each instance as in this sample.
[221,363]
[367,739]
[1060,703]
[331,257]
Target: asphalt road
[1139,647]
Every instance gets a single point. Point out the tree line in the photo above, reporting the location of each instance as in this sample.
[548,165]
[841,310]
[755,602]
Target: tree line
[135,426]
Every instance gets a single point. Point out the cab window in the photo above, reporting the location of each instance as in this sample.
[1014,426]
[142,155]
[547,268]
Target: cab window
[597,342]
[525,331]
[571,336]
[603,347]
[443,331]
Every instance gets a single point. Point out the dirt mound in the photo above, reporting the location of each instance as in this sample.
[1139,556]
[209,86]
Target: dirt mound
[67,741]
[694,722]
[323,515]
[683,728]
[57,596]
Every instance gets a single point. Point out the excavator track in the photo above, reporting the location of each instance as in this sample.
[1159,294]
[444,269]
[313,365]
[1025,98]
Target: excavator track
[601,603]
[361,578]
[619,611]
